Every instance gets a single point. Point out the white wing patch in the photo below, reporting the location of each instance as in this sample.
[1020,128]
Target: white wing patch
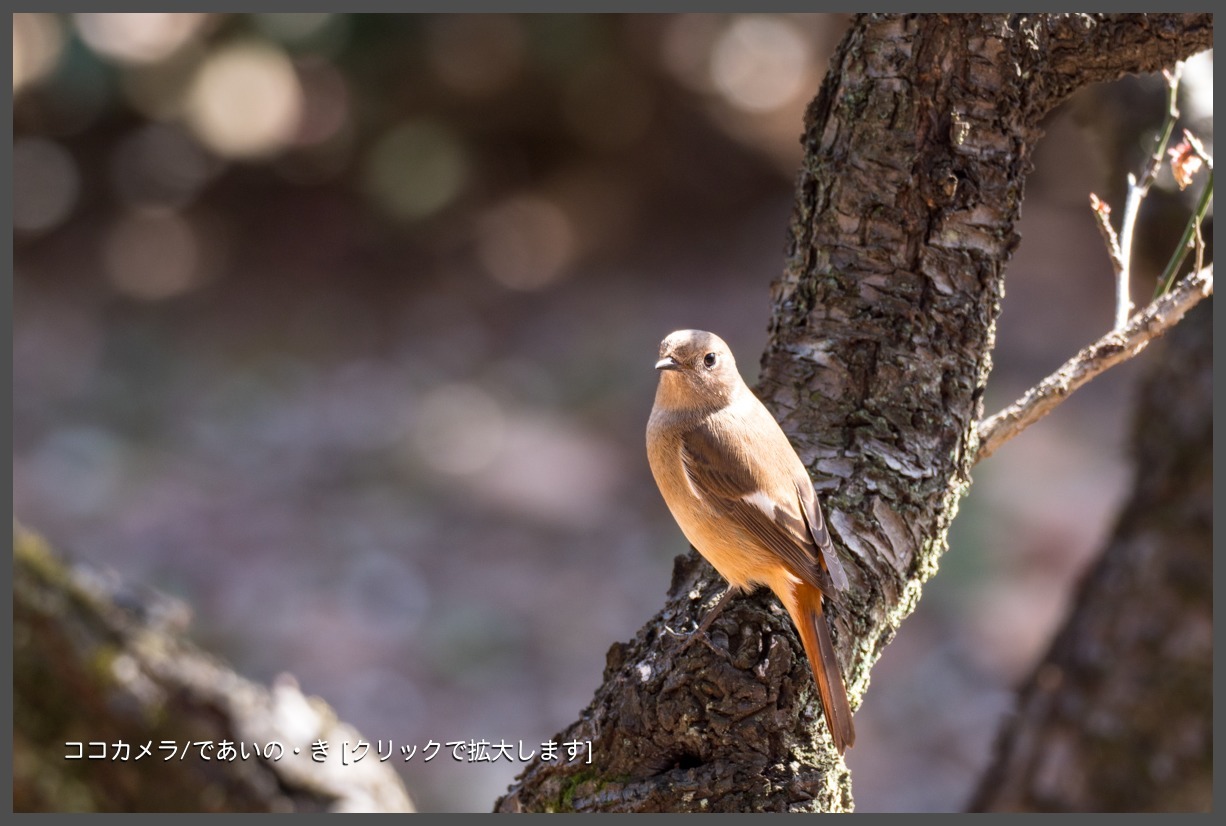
[761,501]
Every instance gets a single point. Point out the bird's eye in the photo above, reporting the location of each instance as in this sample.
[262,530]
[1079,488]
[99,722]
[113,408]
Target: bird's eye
[709,359]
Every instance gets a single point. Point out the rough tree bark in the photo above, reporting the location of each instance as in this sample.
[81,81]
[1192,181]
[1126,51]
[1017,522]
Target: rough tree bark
[1119,714]
[917,149]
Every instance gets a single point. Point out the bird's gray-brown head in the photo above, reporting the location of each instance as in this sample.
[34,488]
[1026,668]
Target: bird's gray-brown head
[697,371]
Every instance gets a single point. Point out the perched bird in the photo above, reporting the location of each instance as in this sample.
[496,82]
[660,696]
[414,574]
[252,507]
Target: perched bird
[744,500]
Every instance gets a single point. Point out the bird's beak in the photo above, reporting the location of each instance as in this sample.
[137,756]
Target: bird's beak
[667,363]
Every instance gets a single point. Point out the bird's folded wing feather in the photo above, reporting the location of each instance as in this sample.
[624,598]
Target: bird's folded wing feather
[817,529]
[781,523]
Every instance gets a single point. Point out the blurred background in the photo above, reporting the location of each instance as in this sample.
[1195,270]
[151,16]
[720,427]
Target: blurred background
[341,329]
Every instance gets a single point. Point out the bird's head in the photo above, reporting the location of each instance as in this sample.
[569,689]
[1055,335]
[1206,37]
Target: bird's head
[697,371]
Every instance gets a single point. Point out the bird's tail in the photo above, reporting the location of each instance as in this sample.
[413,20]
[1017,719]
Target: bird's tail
[815,636]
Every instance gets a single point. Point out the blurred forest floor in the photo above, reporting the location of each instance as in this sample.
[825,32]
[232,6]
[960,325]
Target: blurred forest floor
[340,328]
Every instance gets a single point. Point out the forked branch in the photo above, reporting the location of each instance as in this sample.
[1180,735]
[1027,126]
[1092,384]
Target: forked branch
[1114,348]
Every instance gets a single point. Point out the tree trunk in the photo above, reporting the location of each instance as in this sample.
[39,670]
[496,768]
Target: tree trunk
[916,153]
[1118,716]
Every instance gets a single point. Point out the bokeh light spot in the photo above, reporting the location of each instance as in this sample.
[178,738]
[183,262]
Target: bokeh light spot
[45,184]
[152,255]
[415,169]
[459,429]
[325,102]
[38,42]
[245,101]
[759,62]
[526,243]
[138,37]
[159,165]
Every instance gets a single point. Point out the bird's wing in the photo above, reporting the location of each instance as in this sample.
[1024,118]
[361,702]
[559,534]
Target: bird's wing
[817,529]
[782,525]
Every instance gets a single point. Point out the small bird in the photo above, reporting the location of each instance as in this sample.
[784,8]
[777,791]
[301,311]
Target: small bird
[744,500]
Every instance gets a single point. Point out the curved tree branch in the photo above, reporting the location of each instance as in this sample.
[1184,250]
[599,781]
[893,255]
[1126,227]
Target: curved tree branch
[1114,348]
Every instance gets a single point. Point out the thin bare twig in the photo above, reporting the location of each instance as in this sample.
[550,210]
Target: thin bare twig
[1102,217]
[1112,349]
[1137,190]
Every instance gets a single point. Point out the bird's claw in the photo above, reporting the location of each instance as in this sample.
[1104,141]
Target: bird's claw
[699,635]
